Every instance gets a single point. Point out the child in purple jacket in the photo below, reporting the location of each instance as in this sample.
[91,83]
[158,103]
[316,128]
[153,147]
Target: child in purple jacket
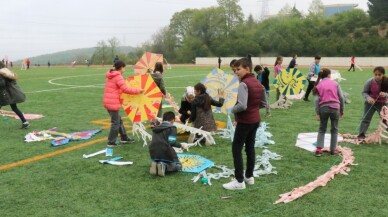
[329,104]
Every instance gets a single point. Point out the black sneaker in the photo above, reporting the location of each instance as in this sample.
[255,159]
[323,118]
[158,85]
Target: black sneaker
[306,100]
[112,145]
[127,140]
[25,125]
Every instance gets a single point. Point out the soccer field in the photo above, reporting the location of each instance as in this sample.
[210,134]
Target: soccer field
[40,180]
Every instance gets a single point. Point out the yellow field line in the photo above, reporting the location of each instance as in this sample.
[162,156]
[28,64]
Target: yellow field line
[40,157]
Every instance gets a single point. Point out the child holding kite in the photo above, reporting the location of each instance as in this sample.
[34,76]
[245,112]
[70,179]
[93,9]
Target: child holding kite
[114,86]
[375,98]
[157,75]
[10,93]
[187,99]
[246,112]
[277,68]
[163,156]
[201,110]
[329,104]
[312,76]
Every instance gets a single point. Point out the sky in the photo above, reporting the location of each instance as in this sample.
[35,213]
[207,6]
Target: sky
[30,28]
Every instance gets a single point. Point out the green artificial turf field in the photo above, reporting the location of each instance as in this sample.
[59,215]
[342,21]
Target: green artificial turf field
[68,185]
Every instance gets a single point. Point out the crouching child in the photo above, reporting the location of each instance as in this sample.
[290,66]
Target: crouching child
[163,156]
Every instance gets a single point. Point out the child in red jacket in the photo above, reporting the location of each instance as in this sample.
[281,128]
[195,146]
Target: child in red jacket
[114,86]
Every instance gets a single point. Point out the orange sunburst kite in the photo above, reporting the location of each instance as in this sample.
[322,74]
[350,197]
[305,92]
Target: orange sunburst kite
[144,106]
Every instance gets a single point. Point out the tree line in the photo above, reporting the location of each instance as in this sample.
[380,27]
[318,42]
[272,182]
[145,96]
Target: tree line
[223,31]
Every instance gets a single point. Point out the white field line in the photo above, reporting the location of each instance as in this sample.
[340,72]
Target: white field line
[71,86]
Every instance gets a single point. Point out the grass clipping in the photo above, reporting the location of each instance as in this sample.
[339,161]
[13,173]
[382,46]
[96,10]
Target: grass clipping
[343,168]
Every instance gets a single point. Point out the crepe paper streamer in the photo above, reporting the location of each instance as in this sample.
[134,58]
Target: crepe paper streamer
[218,80]
[147,62]
[204,134]
[227,133]
[170,99]
[336,76]
[290,81]
[178,150]
[346,97]
[26,116]
[262,136]
[321,181]
[112,159]
[358,67]
[262,167]
[119,163]
[94,154]
[139,128]
[282,103]
[306,141]
[297,96]
[375,137]
[194,163]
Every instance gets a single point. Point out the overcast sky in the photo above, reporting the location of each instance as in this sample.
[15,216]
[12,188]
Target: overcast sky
[33,27]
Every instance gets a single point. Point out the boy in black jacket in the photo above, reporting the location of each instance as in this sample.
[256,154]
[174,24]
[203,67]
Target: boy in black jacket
[163,155]
[262,76]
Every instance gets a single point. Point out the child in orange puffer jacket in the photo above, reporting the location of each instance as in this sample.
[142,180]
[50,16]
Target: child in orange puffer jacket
[114,86]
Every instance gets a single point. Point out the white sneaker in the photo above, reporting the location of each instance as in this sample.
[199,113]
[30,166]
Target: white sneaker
[234,185]
[249,181]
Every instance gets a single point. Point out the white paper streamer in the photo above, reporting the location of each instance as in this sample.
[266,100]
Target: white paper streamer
[119,163]
[282,103]
[262,167]
[262,136]
[204,134]
[94,154]
[139,128]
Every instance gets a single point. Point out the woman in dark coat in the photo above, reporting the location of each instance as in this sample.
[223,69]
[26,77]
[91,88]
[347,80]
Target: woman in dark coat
[201,112]
[10,93]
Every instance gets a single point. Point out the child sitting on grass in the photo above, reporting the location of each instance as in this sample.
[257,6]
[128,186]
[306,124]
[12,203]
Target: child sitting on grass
[163,156]
[187,99]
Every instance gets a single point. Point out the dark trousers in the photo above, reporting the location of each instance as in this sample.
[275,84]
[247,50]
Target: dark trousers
[351,66]
[326,113]
[369,111]
[309,89]
[117,127]
[18,112]
[244,133]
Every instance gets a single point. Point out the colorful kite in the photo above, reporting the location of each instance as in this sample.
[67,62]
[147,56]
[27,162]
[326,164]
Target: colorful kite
[290,81]
[218,80]
[147,63]
[143,106]
[194,163]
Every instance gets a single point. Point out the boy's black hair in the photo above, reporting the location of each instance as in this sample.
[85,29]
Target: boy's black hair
[380,69]
[118,64]
[244,62]
[317,57]
[232,62]
[168,116]
[258,68]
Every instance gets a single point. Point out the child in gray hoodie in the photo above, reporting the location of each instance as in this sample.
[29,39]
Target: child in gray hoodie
[163,156]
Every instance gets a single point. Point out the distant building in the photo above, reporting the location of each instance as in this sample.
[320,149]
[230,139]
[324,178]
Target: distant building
[330,10]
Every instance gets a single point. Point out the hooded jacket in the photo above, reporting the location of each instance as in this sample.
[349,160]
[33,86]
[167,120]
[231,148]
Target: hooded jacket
[10,92]
[114,86]
[163,138]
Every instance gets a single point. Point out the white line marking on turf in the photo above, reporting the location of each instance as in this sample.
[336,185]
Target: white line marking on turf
[72,86]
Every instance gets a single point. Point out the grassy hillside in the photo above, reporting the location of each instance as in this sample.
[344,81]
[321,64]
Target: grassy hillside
[66,57]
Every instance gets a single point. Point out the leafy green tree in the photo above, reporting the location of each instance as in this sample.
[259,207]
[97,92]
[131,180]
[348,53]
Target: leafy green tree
[232,13]
[316,8]
[378,10]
